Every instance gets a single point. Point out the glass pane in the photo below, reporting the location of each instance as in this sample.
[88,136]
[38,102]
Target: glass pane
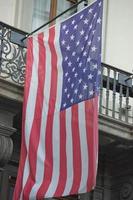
[41,10]
[62,5]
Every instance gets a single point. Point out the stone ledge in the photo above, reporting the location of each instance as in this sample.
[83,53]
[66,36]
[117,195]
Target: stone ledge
[115,128]
[11,90]
[6,131]
[6,144]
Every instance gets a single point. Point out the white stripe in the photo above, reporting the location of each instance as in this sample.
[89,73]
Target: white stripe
[56,123]
[84,149]
[69,152]
[30,109]
[56,157]
[41,147]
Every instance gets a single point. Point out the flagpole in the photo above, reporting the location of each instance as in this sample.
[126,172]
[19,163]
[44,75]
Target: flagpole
[52,20]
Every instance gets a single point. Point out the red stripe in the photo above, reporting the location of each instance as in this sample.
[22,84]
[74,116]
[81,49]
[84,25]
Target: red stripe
[18,187]
[91,122]
[35,131]
[48,163]
[63,158]
[76,150]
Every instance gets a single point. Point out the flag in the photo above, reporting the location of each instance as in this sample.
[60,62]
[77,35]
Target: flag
[59,149]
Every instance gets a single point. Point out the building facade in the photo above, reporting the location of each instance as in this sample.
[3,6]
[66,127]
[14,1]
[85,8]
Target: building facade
[115,169]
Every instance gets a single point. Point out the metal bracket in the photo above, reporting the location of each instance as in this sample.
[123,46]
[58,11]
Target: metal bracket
[16,38]
[125,80]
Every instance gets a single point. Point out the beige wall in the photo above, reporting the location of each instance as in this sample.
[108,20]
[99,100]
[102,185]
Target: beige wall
[118,49]
[7,10]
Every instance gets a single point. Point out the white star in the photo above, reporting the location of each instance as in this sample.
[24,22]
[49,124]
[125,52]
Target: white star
[73,69]
[99,72]
[68,48]
[72,37]
[64,26]
[93,32]
[100,3]
[82,48]
[72,85]
[89,43]
[63,42]
[77,43]
[86,37]
[76,26]
[81,16]
[64,105]
[66,74]
[99,20]
[86,21]
[80,64]
[85,87]
[82,32]
[65,90]
[69,79]
[67,31]
[90,76]
[69,64]
[84,70]
[66,58]
[75,91]
[80,80]
[93,49]
[80,96]
[78,59]
[85,53]
[68,95]
[89,59]
[73,22]
[95,66]
[98,38]
[75,75]
[91,92]
[73,53]
[72,100]
[90,10]
[90,27]
[95,15]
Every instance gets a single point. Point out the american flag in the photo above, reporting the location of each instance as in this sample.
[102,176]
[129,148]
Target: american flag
[59,149]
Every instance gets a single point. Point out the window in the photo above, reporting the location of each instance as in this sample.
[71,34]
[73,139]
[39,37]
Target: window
[43,11]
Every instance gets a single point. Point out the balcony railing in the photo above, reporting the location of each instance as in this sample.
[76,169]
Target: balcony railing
[12,56]
[116,93]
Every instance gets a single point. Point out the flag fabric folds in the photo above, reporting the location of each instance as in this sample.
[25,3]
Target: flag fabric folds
[59,150]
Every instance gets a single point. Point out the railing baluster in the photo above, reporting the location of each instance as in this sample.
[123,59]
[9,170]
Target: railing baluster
[107,91]
[114,95]
[1,46]
[127,104]
[101,91]
[120,102]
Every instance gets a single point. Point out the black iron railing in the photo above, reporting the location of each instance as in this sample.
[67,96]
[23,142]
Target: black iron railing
[116,93]
[12,56]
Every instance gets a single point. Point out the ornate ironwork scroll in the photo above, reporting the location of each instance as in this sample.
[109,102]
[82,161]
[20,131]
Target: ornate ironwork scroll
[12,58]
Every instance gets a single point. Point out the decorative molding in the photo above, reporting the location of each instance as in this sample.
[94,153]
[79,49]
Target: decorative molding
[6,144]
[11,91]
[126,191]
[6,131]
[6,149]
[115,128]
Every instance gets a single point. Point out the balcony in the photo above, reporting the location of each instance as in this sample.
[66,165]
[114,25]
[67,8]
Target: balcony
[116,93]
[115,110]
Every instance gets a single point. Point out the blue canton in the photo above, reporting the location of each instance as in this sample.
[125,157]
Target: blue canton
[80,42]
